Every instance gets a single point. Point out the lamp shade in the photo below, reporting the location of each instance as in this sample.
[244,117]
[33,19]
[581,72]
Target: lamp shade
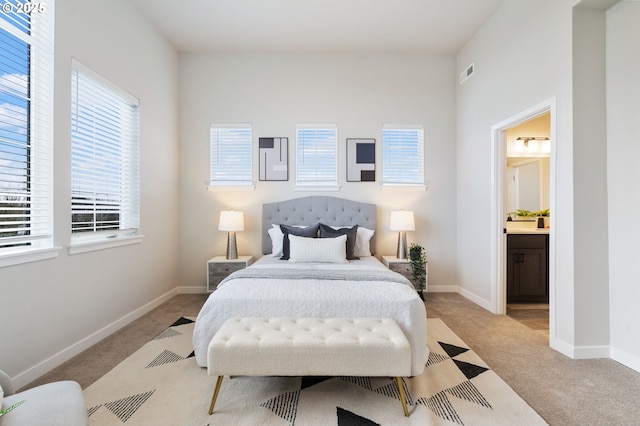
[231,220]
[402,220]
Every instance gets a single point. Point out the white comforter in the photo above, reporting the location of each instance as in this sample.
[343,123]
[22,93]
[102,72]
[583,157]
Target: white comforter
[244,297]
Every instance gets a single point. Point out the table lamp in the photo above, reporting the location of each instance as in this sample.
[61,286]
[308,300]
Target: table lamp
[402,221]
[231,221]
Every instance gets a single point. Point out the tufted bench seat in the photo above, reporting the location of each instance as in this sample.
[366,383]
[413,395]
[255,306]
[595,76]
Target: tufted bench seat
[309,347]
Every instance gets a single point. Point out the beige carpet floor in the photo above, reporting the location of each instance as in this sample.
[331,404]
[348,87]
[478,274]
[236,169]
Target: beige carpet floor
[561,390]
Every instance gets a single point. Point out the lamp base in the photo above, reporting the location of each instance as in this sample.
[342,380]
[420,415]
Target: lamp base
[232,248]
[401,252]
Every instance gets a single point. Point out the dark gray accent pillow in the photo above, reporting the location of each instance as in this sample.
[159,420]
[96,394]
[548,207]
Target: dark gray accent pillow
[328,232]
[309,232]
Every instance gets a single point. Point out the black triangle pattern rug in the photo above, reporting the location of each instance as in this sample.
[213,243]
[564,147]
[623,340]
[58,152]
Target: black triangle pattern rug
[453,383]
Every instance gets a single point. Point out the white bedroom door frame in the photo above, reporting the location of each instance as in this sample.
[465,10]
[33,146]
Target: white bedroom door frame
[499,238]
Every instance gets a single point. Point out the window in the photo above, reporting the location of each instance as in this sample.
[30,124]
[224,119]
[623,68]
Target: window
[231,160]
[104,158]
[317,155]
[26,131]
[403,155]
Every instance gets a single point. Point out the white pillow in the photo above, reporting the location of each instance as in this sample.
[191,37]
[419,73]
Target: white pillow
[277,238]
[363,236]
[323,250]
[276,241]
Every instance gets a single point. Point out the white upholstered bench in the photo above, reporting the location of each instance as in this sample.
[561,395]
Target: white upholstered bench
[309,347]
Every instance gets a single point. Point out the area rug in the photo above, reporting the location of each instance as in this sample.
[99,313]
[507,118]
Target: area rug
[161,384]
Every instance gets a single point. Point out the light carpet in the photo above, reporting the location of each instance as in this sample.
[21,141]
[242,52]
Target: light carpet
[161,384]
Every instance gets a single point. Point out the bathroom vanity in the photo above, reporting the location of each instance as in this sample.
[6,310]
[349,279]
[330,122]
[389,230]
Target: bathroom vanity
[528,265]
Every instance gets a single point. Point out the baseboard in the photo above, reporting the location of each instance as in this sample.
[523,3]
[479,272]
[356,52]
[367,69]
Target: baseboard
[626,359]
[66,354]
[580,352]
[192,290]
[475,299]
[561,346]
[592,352]
[442,289]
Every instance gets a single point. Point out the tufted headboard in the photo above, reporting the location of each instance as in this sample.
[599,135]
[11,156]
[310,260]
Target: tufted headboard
[314,209]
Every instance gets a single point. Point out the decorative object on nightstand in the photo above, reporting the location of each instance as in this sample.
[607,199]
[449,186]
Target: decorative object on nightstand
[402,221]
[403,267]
[418,259]
[220,267]
[231,221]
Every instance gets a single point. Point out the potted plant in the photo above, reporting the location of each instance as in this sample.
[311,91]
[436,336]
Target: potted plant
[522,214]
[418,260]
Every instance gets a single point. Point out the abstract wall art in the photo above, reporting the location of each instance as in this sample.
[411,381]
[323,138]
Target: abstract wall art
[361,160]
[274,158]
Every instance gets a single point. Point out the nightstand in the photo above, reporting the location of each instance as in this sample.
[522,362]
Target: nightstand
[219,267]
[403,267]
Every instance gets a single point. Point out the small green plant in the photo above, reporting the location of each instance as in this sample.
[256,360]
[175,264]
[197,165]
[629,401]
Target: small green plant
[418,260]
[541,213]
[524,213]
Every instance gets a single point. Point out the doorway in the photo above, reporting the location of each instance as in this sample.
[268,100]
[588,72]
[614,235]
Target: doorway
[501,199]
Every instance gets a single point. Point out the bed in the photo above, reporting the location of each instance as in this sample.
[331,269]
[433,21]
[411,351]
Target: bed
[361,287]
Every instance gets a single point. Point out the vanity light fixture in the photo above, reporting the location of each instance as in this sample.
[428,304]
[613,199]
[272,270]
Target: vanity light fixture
[402,221]
[546,146]
[231,221]
[529,144]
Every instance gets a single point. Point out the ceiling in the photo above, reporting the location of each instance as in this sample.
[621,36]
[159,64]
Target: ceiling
[429,26]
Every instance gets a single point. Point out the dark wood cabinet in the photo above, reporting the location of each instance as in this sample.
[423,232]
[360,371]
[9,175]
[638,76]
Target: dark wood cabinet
[527,268]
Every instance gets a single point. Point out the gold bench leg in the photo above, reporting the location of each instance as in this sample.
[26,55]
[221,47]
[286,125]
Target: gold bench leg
[403,398]
[215,394]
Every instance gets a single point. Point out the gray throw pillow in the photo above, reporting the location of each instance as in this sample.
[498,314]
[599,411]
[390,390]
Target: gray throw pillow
[351,233]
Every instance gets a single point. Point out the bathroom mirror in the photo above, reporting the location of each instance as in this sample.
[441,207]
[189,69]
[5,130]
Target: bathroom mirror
[527,185]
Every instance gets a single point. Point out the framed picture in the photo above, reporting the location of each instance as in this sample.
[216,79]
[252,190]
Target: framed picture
[361,160]
[274,158]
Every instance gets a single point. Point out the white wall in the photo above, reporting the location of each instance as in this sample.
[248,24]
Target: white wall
[53,309]
[276,91]
[623,128]
[590,182]
[522,58]
[562,57]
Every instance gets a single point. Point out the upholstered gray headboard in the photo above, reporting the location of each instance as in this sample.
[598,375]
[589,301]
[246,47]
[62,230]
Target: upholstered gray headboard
[315,209]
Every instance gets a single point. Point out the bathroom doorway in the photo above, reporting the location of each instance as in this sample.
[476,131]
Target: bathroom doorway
[530,135]
[526,201]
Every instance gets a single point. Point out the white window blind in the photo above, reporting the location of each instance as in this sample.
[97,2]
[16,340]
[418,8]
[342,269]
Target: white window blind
[231,155]
[26,127]
[402,155]
[317,155]
[104,156]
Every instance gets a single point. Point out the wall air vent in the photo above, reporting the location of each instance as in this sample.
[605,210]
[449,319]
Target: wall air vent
[468,72]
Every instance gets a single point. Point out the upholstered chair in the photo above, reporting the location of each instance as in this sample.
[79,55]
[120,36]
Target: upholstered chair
[52,404]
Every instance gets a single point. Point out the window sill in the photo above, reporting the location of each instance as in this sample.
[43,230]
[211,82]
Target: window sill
[417,188]
[319,188]
[227,188]
[28,255]
[103,243]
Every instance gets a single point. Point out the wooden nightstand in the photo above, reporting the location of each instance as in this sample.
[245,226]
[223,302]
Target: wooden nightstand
[403,266]
[219,267]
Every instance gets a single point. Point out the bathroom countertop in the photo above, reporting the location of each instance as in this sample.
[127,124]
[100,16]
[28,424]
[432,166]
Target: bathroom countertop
[514,230]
